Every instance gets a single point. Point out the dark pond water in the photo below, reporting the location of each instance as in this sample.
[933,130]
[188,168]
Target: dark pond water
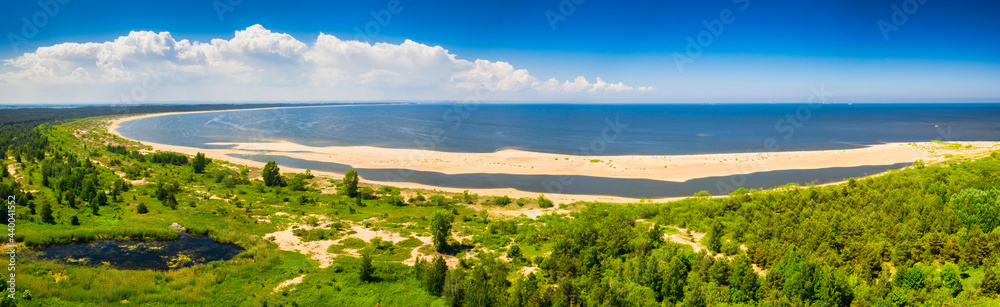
[185,251]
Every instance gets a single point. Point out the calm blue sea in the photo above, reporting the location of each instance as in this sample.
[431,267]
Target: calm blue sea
[585,130]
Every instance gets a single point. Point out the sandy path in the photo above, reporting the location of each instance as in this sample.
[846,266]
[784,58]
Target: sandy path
[12,169]
[664,167]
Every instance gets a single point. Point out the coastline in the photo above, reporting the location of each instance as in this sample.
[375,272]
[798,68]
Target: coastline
[658,167]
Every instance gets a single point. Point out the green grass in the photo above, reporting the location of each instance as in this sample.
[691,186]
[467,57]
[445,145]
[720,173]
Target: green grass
[250,278]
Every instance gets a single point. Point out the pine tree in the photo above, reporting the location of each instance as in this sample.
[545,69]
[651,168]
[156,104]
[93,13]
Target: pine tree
[714,238]
[367,269]
[991,282]
[271,174]
[141,209]
[171,201]
[47,214]
[743,279]
[433,274]
[199,163]
[102,199]
[674,280]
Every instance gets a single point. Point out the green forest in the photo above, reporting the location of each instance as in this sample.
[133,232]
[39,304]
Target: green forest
[926,235]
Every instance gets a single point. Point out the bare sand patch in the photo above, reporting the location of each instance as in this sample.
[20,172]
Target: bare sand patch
[368,234]
[689,238]
[693,239]
[527,270]
[319,250]
[288,241]
[289,282]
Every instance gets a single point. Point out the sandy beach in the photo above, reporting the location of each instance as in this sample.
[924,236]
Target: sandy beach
[657,167]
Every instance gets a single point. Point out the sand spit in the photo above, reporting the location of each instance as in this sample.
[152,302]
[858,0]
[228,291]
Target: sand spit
[664,167]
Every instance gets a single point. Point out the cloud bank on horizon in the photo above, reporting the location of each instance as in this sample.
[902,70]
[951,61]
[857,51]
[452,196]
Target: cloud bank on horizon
[258,64]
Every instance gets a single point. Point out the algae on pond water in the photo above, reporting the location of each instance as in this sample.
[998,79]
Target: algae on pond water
[163,255]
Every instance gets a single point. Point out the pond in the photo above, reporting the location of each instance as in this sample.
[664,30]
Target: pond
[185,251]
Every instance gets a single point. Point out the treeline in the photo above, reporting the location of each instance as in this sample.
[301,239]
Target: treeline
[17,125]
[923,236]
[74,179]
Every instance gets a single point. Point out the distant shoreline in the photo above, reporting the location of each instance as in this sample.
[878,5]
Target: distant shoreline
[512,161]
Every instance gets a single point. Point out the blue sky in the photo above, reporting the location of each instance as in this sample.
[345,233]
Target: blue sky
[774,51]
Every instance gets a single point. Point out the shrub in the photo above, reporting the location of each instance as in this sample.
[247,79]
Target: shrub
[47,214]
[367,269]
[514,253]
[544,202]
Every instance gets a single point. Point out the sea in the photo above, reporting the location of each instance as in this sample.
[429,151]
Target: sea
[584,129]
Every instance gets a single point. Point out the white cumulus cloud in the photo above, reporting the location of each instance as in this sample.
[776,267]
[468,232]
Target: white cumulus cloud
[258,64]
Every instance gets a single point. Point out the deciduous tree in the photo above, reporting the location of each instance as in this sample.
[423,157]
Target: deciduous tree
[441,229]
[351,183]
